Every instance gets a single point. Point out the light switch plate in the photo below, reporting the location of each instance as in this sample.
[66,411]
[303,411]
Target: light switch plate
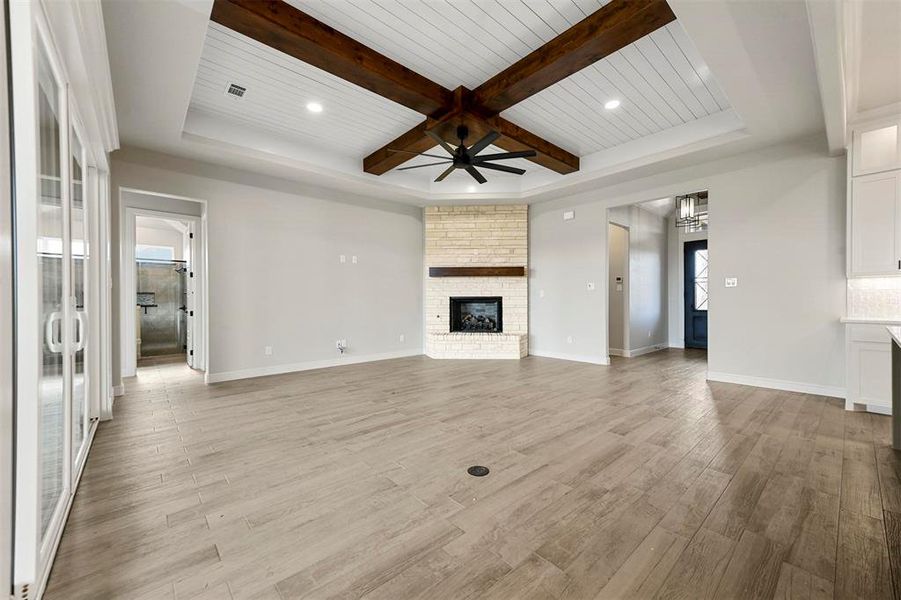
[353,259]
[731,281]
[569,215]
[342,259]
[590,286]
[541,293]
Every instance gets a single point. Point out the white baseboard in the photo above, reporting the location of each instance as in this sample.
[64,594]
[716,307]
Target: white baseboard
[307,366]
[118,390]
[616,352]
[778,384]
[573,357]
[680,345]
[640,351]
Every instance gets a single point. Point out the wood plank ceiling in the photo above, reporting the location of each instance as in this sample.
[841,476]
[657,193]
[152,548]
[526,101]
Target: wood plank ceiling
[661,80]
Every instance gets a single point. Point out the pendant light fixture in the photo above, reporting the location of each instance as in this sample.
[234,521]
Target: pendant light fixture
[691,210]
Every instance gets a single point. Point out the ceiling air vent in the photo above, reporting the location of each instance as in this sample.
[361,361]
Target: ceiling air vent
[235,90]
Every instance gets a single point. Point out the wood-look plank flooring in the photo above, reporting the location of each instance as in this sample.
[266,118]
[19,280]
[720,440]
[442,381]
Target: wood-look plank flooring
[639,480]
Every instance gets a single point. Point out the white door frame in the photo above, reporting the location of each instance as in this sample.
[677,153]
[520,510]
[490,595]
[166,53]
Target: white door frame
[7,283]
[128,278]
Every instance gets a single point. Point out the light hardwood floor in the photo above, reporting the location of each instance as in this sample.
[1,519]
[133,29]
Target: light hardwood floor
[640,480]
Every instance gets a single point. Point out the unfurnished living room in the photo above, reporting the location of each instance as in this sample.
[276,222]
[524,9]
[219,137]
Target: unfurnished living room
[450,299]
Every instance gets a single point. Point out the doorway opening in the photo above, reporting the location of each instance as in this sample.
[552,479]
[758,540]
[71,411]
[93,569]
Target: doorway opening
[657,274]
[618,289]
[163,316]
[164,288]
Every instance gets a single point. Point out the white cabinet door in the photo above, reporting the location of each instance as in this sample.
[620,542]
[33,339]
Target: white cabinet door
[876,148]
[876,224]
[869,368]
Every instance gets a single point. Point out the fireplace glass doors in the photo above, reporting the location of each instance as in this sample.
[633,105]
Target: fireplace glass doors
[479,314]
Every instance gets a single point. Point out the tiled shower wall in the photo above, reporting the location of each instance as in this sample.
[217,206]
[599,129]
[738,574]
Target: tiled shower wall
[163,328]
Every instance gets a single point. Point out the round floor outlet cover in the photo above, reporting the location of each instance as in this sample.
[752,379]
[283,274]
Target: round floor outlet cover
[477,471]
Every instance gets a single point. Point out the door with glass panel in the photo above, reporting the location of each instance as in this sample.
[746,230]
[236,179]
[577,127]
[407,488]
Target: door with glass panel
[696,270]
[52,238]
[80,255]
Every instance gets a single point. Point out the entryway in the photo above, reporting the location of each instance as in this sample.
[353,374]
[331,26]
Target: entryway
[164,280]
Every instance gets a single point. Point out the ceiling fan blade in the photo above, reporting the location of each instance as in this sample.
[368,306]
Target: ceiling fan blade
[503,168]
[416,153]
[506,155]
[443,162]
[483,143]
[440,141]
[475,174]
[441,177]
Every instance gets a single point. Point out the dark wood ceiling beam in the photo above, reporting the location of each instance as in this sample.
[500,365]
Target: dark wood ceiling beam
[513,138]
[280,26]
[410,143]
[611,28]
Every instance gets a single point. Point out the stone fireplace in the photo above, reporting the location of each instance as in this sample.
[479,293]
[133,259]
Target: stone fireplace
[476,281]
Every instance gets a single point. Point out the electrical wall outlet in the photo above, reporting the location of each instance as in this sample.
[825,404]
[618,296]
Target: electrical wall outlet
[590,286]
[402,337]
[731,281]
[267,350]
[569,339]
[569,215]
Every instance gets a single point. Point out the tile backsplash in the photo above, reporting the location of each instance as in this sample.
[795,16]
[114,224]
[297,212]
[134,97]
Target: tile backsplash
[875,298]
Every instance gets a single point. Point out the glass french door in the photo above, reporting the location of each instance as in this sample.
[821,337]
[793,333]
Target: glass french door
[51,229]
[80,255]
[56,203]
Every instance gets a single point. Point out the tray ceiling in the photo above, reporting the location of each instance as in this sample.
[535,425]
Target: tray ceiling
[661,80]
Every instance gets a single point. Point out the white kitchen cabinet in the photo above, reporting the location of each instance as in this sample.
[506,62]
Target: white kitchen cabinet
[876,147]
[875,225]
[869,368]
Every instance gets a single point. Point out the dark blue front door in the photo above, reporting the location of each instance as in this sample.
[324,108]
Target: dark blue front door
[696,270]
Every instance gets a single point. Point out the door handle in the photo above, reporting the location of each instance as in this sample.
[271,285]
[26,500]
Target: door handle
[79,331]
[49,336]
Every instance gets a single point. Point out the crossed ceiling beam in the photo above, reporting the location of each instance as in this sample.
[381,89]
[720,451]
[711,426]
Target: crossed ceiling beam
[282,27]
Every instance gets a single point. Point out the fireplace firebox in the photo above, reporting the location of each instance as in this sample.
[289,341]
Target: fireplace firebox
[477,314]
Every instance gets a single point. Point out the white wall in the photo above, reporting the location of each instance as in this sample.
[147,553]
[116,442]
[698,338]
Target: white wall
[274,273]
[647,276]
[777,222]
[160,236]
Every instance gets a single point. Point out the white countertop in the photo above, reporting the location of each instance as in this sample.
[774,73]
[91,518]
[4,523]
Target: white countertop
[868,321]
[896,334]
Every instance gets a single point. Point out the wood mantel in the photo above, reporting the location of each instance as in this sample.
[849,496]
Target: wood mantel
[477,271]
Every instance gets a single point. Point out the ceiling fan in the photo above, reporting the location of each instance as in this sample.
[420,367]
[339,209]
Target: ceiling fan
[467,158]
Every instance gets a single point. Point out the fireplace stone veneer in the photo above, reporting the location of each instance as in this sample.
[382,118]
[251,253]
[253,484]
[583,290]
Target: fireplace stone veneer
[477,236]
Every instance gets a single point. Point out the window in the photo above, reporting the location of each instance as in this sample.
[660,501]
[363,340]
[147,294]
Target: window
[148,252]
[701,279]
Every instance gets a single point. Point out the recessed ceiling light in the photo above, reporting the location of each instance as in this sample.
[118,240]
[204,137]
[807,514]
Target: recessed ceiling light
[471,189]
[611,104]
[314,107]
